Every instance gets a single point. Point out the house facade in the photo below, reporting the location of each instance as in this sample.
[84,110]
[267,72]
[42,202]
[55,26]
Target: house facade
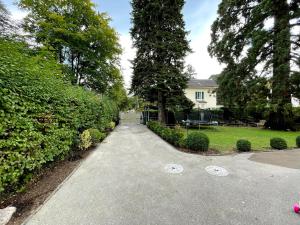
[202,93]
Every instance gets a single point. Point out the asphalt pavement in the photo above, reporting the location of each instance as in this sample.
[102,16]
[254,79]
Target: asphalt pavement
[125,182]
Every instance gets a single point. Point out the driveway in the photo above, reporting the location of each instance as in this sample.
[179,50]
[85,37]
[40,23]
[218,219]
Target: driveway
[124,182]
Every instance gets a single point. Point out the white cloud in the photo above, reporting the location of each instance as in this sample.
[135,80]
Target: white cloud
[199,59]
[127,55]
[18,15]
[204,65]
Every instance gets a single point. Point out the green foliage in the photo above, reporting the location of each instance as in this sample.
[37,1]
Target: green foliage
[173,136]
[96,135]
[41,114]
[243,145]
[295,84]
[278,143]
[80,37]
[118,94]
[159,36]
[224,138]
[111,126]
[85,140]
[132,103]
[258,57]
[154,126]
[298,141]
[197,141]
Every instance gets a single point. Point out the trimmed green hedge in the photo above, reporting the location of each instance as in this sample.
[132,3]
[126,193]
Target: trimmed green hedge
[243,145]
[42,115]
[173,136]
[278,143]
[197,141]
[96,135]
[298,141]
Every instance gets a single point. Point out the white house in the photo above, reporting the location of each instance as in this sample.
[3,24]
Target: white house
[202,93]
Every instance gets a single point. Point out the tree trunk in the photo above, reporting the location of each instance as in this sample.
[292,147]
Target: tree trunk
[281,95]
[60,55]
[161,108]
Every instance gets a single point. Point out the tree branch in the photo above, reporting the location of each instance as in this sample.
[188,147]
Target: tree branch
[295,24]
[295,43]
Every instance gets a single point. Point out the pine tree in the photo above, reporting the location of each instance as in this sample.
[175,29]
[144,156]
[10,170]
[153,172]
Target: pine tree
[159,36]
[258,42]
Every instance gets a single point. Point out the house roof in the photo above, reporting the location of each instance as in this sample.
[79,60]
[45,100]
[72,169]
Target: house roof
[196,83]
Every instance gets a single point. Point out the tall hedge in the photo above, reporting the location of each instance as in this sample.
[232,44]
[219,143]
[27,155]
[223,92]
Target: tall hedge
[41,113]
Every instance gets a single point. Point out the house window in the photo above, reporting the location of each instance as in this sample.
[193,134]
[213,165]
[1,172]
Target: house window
[199,95]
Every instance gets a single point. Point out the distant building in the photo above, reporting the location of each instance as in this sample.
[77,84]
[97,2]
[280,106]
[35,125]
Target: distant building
[202,93]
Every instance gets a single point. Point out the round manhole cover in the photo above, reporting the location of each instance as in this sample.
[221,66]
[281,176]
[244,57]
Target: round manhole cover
[174,168]
[217,171]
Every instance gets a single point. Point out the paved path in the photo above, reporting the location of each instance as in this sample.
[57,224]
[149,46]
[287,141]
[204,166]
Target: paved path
[124,183]
[289,159]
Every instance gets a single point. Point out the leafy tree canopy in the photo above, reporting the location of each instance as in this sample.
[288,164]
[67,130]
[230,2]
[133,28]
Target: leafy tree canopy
[81,38]
[258,41]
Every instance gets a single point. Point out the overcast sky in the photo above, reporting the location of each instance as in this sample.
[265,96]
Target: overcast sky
[198,15]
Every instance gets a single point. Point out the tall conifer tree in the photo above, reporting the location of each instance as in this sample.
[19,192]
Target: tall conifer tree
[159,36]
[259,42]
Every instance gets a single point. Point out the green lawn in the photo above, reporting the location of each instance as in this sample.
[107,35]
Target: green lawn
[224,139]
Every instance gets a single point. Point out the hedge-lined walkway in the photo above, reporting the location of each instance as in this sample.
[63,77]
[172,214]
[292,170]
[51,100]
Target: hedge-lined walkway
[124,182]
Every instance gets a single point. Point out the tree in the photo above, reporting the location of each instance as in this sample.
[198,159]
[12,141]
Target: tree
[160,39]
[118,94]
[80,37]
[258,42]
[191,72]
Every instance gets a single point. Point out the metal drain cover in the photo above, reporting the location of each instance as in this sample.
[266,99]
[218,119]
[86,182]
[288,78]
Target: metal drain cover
[217,171]
[173,168]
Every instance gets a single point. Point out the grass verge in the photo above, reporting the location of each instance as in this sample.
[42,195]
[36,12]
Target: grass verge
[223,139]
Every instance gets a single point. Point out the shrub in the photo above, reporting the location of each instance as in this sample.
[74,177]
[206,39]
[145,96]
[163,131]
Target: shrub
[173,136]
[298,141]
[111,125]
[278,143]
[42,115]
[243,145]
[96,135]
[197,141]
[85,140]
[153,125]
[176,137]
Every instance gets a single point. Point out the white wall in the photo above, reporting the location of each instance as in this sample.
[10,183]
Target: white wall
[209,97]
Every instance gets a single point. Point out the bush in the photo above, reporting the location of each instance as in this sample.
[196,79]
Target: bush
[243,145]
[298,141]
[111,126]
[96,135]
[197,141]
[176,137]
[85,140]
[42,115]
[173,136]
[278,143]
